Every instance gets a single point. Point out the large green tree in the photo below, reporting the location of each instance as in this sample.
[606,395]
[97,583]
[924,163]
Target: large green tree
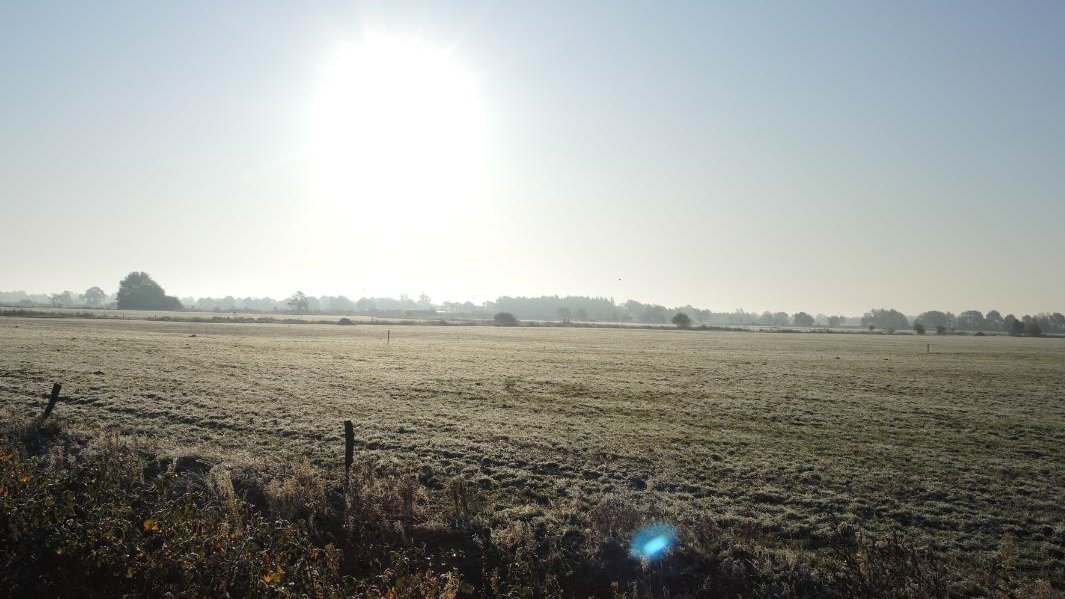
[139,292]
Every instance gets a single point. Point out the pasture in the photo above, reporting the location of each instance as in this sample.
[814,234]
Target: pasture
[796,434]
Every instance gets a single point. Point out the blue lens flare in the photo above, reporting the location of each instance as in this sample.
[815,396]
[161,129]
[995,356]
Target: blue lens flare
[652,542]
[655,545]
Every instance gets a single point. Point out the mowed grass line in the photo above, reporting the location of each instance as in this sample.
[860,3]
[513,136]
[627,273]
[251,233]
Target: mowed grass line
[795,432]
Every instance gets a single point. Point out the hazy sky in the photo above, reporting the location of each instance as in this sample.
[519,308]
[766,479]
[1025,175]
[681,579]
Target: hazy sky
[819,156]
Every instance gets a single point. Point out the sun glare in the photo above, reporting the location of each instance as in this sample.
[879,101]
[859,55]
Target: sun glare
[397,128]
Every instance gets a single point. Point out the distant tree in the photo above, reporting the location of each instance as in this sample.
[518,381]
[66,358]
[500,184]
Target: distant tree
[1012,326]
[365,304]
[466,307]
[505,319]
[58,300]
[682,320]
[918,328]
[993,321]
[802,319]
[338,304]
[653,313]
[94,296]
[886,319]
[971,320]
[1059,321]
[547,307]
[139,292]
[941,330]
[298,302]
[935,318]
[835,321]
[1031,327]
[564,314]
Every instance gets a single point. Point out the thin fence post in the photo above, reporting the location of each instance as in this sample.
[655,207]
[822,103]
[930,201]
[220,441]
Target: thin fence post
[388,336]
[349,449]
[51,402]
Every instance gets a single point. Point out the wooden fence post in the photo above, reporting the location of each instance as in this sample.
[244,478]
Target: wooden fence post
[51,402]
[349,449]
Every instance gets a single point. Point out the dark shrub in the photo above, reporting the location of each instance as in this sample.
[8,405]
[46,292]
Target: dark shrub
[505,319]
[682,320]
[96,515]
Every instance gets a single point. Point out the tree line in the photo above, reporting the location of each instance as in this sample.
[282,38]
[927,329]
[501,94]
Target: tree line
[93,297]
[592,309]
[139,291]
[969,320]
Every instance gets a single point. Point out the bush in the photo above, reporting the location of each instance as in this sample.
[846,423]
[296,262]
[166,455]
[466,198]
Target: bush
[505,319]
[918,328]
[97,516]
[345,321]
[682,320]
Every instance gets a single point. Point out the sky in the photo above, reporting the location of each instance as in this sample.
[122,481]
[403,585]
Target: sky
[826,156]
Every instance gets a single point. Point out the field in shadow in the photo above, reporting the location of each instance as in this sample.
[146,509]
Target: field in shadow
[98,514]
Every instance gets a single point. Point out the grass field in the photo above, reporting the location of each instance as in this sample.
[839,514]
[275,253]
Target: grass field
[793,433]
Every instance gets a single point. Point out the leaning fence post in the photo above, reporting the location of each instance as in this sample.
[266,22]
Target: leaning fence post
[51,402]
[349,449]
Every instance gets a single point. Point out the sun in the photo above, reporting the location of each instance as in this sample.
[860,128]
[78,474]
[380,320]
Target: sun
[397,128]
